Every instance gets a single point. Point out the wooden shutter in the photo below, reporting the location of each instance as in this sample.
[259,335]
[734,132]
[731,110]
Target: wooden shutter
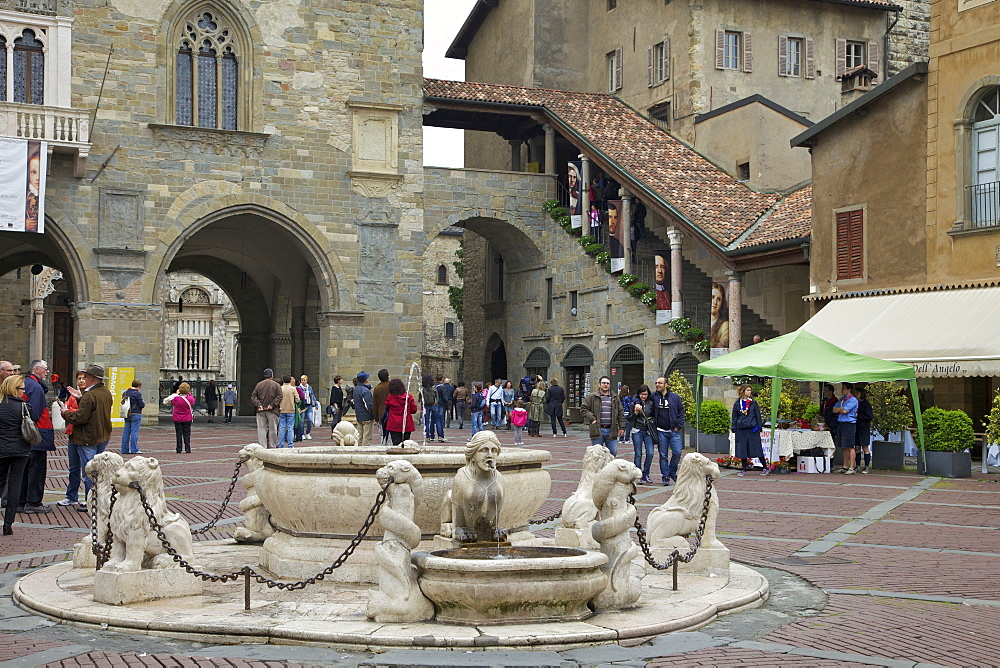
[782,55]
[618,68]
[874,61]
[841,57]
[850,244]
[720,49]
[666,58]
[747,52]
[650,74]
[810,57]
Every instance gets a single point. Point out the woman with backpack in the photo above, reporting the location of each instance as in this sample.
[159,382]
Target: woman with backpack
[477,404]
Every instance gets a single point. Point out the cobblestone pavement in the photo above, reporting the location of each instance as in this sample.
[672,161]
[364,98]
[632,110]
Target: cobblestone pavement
[887,569]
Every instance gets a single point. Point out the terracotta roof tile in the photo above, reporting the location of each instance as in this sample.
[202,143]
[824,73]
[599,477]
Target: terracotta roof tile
[704,194]
[791,219]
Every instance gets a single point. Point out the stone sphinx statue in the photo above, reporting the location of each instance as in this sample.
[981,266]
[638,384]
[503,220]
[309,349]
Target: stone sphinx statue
[579,511]
[611,530]
[398,597]
[256,518]
[470,512]
[344,433]
[100,469]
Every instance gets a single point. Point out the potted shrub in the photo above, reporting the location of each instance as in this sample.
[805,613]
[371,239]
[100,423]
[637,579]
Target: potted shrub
[992,426]
[680,386]
[713,429]
[949,438]
[890,413]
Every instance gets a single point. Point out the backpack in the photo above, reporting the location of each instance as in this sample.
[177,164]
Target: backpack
[477,401]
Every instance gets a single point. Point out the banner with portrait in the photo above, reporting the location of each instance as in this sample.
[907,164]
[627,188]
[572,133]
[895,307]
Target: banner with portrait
[574,182]
[661,283]
[616,234]
[22,185]
[718,334]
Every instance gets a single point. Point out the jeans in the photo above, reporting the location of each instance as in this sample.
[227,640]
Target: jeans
[642,440]
[429,422]
[669,440]
[182,432]
[562,424]
[88,452]
[130,434]
[496,413]
[608,440]
[307,419]
[286,430]
[439,412]
[477,422]
[73,484]
[460,413]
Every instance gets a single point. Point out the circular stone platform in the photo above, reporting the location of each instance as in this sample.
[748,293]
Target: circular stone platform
[333,613]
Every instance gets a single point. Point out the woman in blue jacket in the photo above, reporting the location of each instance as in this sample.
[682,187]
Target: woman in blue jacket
[746,424]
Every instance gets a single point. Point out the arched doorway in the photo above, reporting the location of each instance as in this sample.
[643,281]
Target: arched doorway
[627,368]
[687,364]
[537,363]
[576,365]
[271,271]
[496,358]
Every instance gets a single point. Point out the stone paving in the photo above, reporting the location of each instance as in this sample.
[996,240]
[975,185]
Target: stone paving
[887,569]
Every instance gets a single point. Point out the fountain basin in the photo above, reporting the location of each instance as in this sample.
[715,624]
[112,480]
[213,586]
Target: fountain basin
[319,496]
[535,584]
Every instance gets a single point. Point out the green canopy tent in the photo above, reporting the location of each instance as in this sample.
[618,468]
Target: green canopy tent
[806,357]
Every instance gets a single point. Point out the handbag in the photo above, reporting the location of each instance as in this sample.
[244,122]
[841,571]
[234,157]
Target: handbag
[55,413]
[317,415]
[125,407]
[29,430]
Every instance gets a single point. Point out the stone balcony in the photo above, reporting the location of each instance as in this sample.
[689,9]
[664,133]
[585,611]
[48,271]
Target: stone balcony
[65,130]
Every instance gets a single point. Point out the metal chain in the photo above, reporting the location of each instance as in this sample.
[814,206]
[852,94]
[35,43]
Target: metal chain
[675,555]
[553,516]
[248,571]
[101,550]
[232,485]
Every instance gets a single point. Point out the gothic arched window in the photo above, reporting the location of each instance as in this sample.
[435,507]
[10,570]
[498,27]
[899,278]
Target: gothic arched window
[28,68]
[207,73]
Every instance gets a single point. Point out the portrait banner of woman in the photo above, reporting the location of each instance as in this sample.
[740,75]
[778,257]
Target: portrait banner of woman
[573,171]
[22,185]
[719,333]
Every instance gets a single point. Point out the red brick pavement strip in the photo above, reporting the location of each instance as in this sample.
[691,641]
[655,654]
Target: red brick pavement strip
[937,537]
[161,661]
[718,657]
[776,526]
[13,646]
[974,517]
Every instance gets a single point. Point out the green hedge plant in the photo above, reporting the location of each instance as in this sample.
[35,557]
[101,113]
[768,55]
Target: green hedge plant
[992,422]
[715,418]
[890,410]
[948,431]
[680,386]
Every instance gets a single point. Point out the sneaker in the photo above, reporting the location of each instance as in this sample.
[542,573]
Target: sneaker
[82,507]
[849,472]
[37,508]
[554,435]
[864,469]
[66,502]
[646,480]
[565,435]
[766,472]
[741,474]
[137,452]
[666,483]
[839,469]
[308,437]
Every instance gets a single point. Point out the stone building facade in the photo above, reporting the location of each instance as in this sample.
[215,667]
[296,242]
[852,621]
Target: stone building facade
[443,332]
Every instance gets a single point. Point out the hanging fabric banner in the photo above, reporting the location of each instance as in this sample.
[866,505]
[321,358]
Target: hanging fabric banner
[573,171]
[22,185]
[661,281]
[616,245]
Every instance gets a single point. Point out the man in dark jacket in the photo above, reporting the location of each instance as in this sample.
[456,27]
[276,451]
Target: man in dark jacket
[379,393]
[603,411]
[364,410]
[266,399]
[211,400]
[33,487]
[668,416]
[91,421]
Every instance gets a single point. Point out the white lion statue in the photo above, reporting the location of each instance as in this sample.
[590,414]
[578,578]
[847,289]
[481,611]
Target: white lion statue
[134,544]
[100,469]
[345,433]
[255,516]
[680,515]
[579,511]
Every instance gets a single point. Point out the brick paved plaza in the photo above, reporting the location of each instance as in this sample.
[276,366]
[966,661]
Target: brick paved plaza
[892,569]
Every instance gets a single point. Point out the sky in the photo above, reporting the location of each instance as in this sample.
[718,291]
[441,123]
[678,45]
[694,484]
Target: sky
[442,19]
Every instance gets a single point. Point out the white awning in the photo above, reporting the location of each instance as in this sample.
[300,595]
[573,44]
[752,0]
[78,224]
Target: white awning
[947,333]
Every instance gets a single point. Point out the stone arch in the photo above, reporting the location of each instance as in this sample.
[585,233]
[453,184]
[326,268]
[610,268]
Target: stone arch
[58,247]
[511,234]
[496,358]
[687,364]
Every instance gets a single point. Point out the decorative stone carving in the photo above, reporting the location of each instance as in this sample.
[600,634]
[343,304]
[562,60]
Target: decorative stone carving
[373,185]
[398,597]
[120,219]
[134,544]
[256,518]
[611,489]
[345,433]
[471,510]
[579,512]
[669,524]
[100,469]
[193,140]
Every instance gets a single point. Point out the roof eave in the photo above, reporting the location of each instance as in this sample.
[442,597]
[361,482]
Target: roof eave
[459,47]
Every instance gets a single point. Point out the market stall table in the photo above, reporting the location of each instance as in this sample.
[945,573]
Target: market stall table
[791,442]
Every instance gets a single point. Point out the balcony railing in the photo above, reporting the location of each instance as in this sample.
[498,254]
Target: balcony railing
[66,130]
[984,204]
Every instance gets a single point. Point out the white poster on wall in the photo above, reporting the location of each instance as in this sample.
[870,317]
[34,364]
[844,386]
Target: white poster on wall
[22,185]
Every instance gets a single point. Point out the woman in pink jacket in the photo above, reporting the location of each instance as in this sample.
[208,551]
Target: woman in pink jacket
[182,405]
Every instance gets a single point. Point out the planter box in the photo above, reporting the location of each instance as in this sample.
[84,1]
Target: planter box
[887,455]
[949,464]
[713,443]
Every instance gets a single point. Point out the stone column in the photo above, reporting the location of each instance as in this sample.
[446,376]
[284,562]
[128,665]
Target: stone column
[735,299]
[515,154]
[550,148]
[38,308]
[676,238]
[585,192]
[626,225]
[298,333]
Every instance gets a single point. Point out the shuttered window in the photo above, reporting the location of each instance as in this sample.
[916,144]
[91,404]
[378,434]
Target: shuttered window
[658,63]
[614,64]
[733,50]
[850,244]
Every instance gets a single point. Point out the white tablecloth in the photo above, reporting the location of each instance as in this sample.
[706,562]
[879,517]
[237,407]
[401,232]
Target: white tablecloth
[790,442]
[909,443]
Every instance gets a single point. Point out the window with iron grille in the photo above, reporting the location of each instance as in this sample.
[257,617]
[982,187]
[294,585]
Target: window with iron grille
[660,115]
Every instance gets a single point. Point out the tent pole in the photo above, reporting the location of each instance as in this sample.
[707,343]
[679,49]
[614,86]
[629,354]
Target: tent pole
[775,401]
[922,460]
[697,409]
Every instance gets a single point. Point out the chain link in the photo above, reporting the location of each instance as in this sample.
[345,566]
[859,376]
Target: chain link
[249,571]
[232,485]
[101,550]
[675,556]
[553,516]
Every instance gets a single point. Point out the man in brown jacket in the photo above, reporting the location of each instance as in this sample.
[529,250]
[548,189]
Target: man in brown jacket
[91,421]
[379,393]
[266,398]
[603,411]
